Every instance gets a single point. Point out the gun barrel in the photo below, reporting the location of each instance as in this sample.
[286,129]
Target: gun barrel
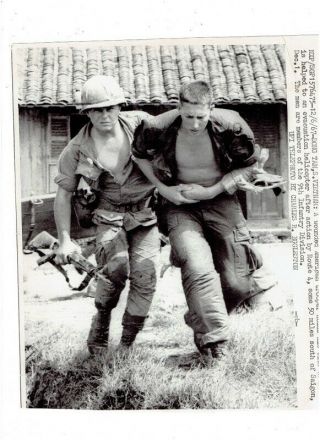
[46,259]
[78,261]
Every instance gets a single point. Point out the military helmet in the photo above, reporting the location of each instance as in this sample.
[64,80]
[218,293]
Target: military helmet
[101,91]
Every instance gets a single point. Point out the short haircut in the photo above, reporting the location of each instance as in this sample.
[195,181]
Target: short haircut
[196,92]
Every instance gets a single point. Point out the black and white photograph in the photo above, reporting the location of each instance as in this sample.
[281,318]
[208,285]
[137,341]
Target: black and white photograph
[155,228]
[160,233]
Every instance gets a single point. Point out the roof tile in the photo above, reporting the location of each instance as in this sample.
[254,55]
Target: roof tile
[152,74]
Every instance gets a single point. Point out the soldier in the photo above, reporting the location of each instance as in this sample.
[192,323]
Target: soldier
[206,155]
[127,238]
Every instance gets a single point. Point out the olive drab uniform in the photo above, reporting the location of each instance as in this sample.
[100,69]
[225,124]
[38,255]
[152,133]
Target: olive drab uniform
[127,238]
[210,240]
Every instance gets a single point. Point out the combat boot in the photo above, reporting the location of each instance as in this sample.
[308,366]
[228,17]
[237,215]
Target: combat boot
[97,341]
[131,327]
[212,352]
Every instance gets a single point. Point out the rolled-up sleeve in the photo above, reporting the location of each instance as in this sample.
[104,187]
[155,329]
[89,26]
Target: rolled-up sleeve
[243,150]
[252,158]
[67,165]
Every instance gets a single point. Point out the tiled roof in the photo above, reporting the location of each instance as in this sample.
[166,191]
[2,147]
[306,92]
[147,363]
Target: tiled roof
[152,74]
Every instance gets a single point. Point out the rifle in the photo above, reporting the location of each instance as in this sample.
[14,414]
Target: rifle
[44,240]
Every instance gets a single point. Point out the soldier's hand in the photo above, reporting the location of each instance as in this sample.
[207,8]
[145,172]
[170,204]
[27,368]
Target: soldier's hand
[65,250]
[194,191]
[245,185]
[239,179]
[174,194]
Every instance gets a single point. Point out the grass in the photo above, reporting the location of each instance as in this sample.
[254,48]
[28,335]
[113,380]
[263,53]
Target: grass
[258,372]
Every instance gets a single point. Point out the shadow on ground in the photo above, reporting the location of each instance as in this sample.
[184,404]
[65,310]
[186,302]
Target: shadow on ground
[103,382]
[50,386]
[74,295]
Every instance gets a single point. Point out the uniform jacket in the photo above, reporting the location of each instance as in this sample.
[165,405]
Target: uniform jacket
[231,137]
[124,201]
[79,158]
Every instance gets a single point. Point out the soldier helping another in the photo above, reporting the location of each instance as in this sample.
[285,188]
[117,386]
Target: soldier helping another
[200,163]
[127,238]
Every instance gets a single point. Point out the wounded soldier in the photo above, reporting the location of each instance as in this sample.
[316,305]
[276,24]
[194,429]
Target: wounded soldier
[205,156]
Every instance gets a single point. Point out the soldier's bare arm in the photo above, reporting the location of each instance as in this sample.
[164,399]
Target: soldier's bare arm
[62,215]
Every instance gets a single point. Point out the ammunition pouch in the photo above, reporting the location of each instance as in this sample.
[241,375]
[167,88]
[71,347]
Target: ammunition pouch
[84,202]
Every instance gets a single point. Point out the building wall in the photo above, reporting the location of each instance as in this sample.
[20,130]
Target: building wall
[43,133]
[268,123]
[32,152]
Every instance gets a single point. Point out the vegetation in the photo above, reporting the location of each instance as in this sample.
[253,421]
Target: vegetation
[258,371]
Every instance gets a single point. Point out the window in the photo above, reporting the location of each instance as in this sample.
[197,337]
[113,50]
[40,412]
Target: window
[58,137]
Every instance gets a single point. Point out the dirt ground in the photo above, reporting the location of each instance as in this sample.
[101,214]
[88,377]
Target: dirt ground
[46,296]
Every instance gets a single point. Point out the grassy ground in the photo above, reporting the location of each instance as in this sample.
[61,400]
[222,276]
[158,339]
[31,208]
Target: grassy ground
[258,372]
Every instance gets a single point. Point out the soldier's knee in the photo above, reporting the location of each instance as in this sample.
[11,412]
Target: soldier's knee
[144,276]
[240,287]
[199,273]
[235,286]
[107,294]
[235,291]
[118,269]
[106,304]
[197,264]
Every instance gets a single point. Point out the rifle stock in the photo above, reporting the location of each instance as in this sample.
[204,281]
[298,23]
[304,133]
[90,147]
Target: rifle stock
[44,240]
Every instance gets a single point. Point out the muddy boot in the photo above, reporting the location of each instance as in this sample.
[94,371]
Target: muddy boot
[212,352]
[131,327]
[97,341]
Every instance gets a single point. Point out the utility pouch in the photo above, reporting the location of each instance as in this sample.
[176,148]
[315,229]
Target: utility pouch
[84,202]
[247,256]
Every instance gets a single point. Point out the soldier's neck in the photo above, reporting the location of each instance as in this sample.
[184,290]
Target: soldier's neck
[103,135]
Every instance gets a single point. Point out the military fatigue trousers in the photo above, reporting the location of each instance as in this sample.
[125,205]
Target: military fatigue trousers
[211,244]
[125,254]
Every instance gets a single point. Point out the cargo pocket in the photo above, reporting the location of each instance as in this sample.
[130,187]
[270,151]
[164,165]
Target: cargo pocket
[247,258]
[254,257]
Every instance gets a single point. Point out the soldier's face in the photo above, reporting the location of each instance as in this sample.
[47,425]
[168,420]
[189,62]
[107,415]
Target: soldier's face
[194,117]
[104,119]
